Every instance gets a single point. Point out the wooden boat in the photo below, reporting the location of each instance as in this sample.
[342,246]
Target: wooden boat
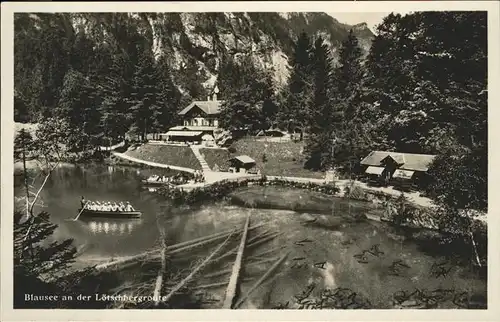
[110,214]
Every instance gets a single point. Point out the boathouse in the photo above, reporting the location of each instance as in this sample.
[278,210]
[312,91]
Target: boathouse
[395,166]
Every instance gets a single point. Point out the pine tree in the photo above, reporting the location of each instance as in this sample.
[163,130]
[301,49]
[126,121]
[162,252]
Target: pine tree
[349,133]
[168,96]
[114,111]
[322,121]
[78,108]
[144,108]
[245,97]
[300,86]
[349,72]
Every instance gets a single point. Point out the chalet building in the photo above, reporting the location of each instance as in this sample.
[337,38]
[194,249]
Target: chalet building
[199,121]
[397,167]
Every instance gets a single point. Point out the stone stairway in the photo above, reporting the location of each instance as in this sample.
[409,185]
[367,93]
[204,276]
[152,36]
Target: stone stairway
[204,165]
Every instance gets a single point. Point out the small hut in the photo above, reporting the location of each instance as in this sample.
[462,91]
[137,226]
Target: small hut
[242,163]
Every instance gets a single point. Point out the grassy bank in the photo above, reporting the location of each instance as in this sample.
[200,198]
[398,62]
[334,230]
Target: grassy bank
[181,156]
[217,157]
[281,158]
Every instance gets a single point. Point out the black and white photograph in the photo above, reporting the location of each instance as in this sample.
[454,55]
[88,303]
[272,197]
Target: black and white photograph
[273,160]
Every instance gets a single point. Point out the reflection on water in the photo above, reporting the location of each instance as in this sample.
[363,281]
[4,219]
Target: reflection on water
[61,196]
[112,227]
[377,262]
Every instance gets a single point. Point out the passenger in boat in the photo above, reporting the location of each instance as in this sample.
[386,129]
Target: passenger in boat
[129,207]
[83,202]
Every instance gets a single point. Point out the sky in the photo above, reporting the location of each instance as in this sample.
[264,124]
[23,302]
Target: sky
[352,18]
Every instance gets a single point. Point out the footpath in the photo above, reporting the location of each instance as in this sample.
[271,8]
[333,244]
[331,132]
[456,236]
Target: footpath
[212,177]
[152,164]
[216,176]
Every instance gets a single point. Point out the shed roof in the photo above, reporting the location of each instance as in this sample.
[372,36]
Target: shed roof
[244,159]
[415,162]
[209,107]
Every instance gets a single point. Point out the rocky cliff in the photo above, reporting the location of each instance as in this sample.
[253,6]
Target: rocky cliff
[196,42]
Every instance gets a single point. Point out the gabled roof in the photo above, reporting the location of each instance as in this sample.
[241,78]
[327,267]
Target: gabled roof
[414,162]
[209,107]
[243,159]
[398,158]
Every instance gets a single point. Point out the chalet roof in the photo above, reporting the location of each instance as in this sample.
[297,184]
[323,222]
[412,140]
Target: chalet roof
[410,161]
[270,131]
[245,159]
[398,158]
[209,107]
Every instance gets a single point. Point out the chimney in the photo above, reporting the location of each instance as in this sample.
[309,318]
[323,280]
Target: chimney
[216,90]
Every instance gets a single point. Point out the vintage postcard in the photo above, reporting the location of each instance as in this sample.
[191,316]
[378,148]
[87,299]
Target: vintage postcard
[256,160]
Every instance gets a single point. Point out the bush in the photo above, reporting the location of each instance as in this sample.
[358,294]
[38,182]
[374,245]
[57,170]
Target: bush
[221,190]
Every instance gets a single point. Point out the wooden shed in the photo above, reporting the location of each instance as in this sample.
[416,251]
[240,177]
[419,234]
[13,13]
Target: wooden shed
[242,163]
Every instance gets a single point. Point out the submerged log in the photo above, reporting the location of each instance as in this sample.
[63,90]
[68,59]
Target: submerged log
[195,270]
[267,252]
[262,279]
[229,270]
[220,284]
[173,249]
[234,279]
[249,245]
[163,268]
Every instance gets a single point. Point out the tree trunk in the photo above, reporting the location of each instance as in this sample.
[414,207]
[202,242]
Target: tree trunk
[26,187]
[236,272]
[478,260]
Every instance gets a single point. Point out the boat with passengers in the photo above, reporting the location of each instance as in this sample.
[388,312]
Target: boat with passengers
[108,209]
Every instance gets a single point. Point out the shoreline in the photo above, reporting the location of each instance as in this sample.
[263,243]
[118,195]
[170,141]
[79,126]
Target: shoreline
[376,193]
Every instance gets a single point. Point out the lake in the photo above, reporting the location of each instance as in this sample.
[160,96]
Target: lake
[369,264]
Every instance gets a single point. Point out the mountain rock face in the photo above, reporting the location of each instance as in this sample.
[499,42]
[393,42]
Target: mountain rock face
[48,46]
[196,42]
